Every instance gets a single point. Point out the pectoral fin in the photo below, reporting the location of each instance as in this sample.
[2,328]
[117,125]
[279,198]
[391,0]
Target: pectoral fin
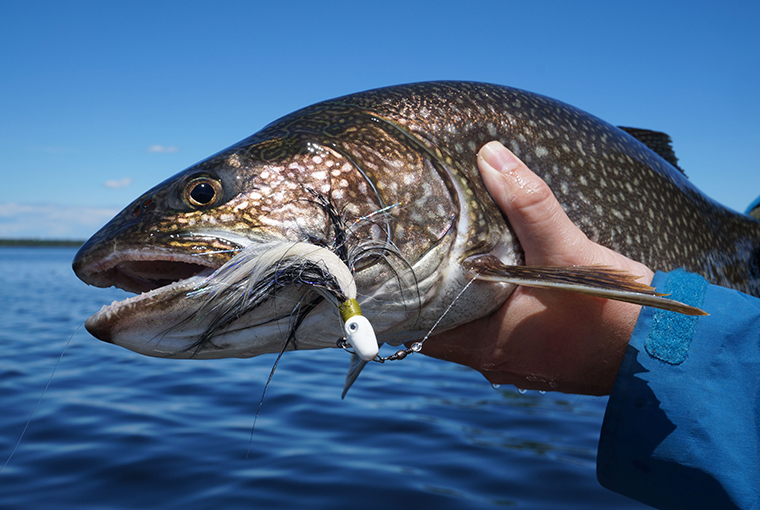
[599,281]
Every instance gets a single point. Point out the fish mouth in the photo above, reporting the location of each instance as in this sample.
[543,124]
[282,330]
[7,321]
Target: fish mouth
[157,275]
[211,308]
[141,271]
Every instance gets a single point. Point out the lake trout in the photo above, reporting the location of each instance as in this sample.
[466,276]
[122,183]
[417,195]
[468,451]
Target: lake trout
[373,203]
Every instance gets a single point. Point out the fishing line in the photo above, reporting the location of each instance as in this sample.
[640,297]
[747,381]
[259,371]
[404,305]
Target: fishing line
[448,309]
[263,393]
[416,346]
[41,396]
[300,316]
[231,250]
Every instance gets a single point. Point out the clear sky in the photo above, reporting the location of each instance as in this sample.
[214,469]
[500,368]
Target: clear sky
[101,100]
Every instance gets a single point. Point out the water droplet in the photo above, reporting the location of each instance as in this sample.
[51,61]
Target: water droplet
[542,392]
[522,391]
[495,386]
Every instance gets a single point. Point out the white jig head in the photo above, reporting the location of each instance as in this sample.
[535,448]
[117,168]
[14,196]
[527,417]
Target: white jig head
[359,332]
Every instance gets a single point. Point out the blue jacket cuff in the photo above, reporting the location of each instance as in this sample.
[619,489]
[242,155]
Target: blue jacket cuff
[681,426]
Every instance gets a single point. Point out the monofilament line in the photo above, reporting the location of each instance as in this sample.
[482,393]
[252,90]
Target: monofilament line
[417,346]
[50,379]
[448,309]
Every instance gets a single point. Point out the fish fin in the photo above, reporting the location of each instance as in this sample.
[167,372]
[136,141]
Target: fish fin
[754,209]
[660,143]
[599,281]
[357,364]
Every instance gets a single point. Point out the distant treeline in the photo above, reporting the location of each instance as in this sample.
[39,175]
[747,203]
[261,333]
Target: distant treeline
[40,242]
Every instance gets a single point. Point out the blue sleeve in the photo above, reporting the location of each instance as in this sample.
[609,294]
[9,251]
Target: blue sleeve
[682,426]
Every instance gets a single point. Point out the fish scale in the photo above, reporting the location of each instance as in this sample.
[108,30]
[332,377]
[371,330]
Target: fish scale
[387,179]
[607,182]
[591,166]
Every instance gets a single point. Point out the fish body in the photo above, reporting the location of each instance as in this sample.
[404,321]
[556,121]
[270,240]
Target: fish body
[387,180]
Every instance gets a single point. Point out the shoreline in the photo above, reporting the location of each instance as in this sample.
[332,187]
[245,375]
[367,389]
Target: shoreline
[42,243]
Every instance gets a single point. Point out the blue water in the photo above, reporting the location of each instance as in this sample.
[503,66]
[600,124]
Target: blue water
[119,430]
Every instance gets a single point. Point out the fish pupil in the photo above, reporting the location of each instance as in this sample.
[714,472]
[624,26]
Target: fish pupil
[203,193]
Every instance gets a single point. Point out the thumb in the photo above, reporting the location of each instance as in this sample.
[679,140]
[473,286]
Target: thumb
[545,232]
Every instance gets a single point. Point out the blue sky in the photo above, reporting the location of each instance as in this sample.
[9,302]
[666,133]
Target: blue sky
[101,100]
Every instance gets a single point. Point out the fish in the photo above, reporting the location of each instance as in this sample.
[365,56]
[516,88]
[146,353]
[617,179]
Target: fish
[373,203]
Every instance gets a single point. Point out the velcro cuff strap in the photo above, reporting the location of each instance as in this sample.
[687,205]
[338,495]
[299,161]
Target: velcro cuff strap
[671,333]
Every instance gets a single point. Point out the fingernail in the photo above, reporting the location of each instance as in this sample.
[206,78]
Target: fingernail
[499,157]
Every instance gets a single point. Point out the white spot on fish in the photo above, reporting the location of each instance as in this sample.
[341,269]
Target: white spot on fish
[515,147]
[541,151]
[235,161]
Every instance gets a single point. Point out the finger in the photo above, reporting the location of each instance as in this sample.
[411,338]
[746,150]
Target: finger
[545,232]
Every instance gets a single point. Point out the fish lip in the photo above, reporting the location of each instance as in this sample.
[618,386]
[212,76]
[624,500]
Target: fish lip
[154,273]
[143,268]
[103,324]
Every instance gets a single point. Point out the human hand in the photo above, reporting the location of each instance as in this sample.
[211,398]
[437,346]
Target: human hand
[544,339]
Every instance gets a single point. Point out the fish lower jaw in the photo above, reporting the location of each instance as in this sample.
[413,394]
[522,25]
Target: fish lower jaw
[102,324]
[168,328]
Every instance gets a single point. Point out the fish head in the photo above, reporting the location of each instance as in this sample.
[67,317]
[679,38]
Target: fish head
[400,212]
[172,240]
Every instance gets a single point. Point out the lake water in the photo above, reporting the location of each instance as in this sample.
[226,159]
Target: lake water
[118,430]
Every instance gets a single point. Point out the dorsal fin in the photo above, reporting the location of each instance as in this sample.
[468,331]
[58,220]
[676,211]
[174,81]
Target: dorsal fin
[754,209]
[659,142]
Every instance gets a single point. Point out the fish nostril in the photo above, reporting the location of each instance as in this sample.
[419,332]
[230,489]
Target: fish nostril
[142,207]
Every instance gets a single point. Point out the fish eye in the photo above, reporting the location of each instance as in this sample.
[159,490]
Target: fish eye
[202,191]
